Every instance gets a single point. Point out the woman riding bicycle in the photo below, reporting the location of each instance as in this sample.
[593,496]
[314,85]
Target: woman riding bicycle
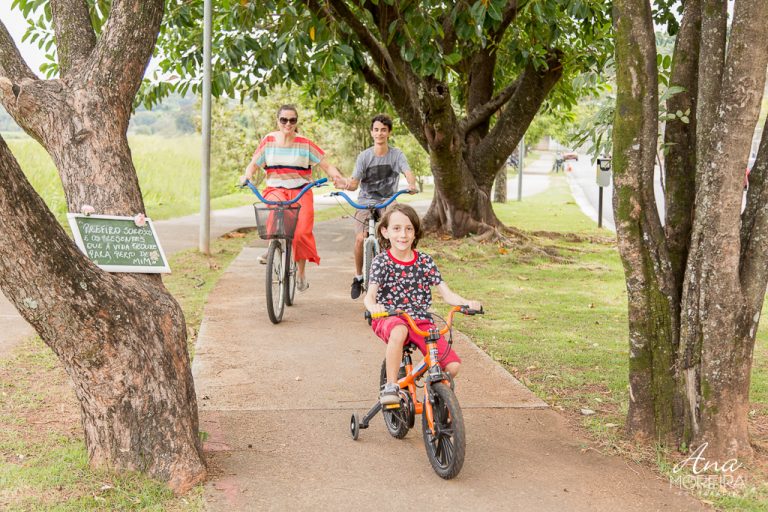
[287,159]
[401,278]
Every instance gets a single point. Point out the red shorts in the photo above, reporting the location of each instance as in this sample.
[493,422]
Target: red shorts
[382,327]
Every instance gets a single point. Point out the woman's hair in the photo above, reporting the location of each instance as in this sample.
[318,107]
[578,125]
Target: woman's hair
[406,210]
[383,119]
[287,106]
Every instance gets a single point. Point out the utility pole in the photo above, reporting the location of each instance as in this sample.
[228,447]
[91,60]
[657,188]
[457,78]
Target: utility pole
[520,160]
[205,175]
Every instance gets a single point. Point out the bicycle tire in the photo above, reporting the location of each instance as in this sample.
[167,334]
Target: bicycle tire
[290,281]
[397,421]
[369,252]
[446,448]
[275,287]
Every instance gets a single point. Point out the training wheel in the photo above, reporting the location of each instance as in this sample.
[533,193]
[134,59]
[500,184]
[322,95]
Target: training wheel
[354,426]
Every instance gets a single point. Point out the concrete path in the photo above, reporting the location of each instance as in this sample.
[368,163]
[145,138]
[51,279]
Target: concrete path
[275,401]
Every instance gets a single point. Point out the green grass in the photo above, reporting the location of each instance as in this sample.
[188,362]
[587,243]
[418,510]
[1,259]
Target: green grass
[168,171]
[43,460]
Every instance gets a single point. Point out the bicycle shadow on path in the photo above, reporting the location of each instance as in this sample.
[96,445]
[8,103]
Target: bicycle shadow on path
[275,401]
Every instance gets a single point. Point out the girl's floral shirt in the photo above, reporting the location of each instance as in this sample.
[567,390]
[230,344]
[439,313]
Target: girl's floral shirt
[405,285]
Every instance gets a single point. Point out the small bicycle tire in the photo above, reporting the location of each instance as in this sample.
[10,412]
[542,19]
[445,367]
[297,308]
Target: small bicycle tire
[446,447]
[396,420]
[369,252]
[275,282]
[290,281]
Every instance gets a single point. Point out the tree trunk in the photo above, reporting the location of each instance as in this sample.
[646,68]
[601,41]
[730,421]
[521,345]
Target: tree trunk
[691,340]
[121,337]
[500,186]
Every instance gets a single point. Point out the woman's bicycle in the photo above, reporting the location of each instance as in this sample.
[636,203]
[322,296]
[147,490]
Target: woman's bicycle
[276,222]
[370,244]
[442,422]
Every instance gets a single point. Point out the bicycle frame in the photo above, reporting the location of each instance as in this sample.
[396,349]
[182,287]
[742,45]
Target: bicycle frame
[285,275]
[430,365]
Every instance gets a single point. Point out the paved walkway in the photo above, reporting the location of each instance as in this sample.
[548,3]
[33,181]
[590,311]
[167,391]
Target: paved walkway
[275,401]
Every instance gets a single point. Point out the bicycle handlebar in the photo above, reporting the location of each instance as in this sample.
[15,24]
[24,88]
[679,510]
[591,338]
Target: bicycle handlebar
[304,189]
[366,207]
[466,310]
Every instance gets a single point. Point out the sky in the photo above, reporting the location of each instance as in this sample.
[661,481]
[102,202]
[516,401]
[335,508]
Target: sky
[16,25]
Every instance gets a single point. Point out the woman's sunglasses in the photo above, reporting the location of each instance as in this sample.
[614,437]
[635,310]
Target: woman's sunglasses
[288,120]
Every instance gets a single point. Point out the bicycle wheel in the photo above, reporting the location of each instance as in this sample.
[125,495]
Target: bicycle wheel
[397,420]
[275,278]
[445,448]
[290,280]
[369,252]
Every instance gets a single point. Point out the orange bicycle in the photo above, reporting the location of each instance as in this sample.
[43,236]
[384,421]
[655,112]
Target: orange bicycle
[441,419]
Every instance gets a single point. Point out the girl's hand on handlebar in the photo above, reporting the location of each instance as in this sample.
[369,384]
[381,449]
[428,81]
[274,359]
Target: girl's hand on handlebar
[377,308]
[473,304]
[243,180]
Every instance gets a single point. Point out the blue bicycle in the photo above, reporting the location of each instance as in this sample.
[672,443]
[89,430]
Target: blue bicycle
[276,222]
[370,244]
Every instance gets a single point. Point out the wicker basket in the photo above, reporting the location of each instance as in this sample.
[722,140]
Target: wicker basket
[276,221]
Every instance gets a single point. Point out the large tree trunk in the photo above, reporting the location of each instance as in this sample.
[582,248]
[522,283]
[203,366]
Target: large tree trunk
[121,337]
[692,319]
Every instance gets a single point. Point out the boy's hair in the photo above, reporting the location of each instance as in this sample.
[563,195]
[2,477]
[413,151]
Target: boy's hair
[406,210]
[383,119]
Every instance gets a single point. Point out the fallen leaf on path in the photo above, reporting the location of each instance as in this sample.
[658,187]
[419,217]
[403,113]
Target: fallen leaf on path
[523,278]
[587,412]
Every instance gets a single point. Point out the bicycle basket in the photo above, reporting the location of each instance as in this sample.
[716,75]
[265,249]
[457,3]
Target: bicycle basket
[276,221]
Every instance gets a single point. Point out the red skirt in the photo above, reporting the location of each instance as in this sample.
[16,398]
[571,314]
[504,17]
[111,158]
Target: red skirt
[304,246]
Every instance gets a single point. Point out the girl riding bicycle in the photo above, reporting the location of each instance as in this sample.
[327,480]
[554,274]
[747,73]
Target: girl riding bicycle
[288,158]
[402,278]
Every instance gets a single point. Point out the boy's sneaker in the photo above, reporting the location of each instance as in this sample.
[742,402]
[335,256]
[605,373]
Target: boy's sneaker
[390,394]
[357,287]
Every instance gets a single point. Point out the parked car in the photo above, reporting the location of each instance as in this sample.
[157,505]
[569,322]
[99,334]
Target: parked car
[571,155]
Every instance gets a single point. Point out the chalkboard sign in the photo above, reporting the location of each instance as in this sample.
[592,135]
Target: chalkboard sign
[117,244]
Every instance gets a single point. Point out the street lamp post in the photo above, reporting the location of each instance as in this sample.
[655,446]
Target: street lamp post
[205,174]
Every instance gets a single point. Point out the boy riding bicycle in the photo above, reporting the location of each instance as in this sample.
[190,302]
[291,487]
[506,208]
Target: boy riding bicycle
[402,278]
[377,172]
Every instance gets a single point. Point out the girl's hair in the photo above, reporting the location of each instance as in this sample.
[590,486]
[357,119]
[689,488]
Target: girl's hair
[406,210]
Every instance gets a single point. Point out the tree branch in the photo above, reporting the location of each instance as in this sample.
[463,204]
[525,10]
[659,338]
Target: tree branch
[75,38]
[524,102]
[378,52]
[125,47]
[12,65]
[484,112]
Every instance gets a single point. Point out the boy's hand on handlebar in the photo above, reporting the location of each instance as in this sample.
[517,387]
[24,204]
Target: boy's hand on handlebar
[413,190]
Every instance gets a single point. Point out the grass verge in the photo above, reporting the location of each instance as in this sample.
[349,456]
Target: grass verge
[557,320]
[43,460]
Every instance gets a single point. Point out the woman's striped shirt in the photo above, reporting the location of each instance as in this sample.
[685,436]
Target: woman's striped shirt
[289,165]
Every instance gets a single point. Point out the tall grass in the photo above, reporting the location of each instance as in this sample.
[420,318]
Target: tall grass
[168,171]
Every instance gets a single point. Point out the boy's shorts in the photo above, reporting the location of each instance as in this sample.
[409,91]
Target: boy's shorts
[361,221]
[383,328]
